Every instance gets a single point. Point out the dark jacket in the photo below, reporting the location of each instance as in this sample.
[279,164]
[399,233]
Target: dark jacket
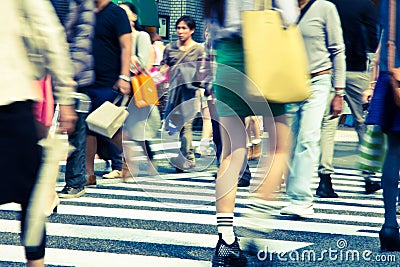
[78,18]
[360,31]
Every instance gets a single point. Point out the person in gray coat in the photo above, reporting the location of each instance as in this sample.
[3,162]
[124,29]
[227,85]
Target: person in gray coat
[78,19]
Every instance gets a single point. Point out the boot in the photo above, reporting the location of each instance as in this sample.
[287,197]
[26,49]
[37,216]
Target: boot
[249,152]
[325,189]
[256,151]
[91,180]
[389,238]
[372,187]
[125,170]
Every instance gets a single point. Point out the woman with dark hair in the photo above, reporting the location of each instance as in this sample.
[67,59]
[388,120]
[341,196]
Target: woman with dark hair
[182,57]
[142,123]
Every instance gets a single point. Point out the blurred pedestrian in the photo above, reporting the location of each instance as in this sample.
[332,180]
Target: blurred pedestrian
[384,111]
[78,21]
[142,123]
[232,108]
[323,39]
[112,53]
[20,153]
[182,57]
[360,34]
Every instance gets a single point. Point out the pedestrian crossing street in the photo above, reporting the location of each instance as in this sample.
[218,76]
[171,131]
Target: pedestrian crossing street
[169,220]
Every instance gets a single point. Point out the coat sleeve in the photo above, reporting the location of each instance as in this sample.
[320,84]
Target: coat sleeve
[56,51]
[81,44]
[335,45]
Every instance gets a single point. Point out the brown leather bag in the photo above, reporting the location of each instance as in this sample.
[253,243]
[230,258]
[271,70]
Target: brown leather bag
[394,72]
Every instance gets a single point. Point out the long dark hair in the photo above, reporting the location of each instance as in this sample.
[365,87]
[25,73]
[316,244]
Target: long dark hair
[215,7]
[133,8]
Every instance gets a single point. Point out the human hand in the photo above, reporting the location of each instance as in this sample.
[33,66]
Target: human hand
[367,95]
[122,86]
[67,118]
[337,106]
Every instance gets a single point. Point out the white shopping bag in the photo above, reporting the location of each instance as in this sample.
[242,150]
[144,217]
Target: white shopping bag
[108,118]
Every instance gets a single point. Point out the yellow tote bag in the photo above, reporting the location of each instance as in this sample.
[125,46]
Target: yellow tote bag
[275,58]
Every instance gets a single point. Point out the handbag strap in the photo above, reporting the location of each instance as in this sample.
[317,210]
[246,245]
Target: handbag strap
[124,100]
[262,4]
[392,34]
[185,54]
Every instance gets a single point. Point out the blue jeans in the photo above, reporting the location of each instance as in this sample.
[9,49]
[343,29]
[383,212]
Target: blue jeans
[305,118]
[75,173]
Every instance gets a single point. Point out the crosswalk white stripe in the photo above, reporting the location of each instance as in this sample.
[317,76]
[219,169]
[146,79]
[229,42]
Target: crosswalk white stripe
[175,192]
[143,236]
[193,218]
[209,188]
[164,201]
[80,258]
[209,194]
[131,204]
[184,206]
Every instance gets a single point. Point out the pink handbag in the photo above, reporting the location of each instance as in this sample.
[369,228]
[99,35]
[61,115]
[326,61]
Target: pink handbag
[43,109]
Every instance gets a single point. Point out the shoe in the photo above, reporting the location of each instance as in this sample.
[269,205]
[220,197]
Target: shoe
[325,189]
[257,214]
[243,183]
[389,238]
[53,207]
[204,149]
[249,152]
[71,192]
[228,255]
[125,173]
[91,180]
[114,174]
[181,163]
[152,168]
[256,149]
[301,210]
[372,187]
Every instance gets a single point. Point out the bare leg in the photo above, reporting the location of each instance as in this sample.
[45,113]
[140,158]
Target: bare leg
[280,154]
[35,263]
[233,135]
[207,126]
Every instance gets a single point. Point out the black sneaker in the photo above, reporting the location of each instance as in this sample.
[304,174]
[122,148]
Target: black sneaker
[71,192]
[228,255]
[372,187]
[243,183]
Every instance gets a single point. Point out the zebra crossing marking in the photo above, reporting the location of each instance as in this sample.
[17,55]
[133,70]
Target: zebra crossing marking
[328,212]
